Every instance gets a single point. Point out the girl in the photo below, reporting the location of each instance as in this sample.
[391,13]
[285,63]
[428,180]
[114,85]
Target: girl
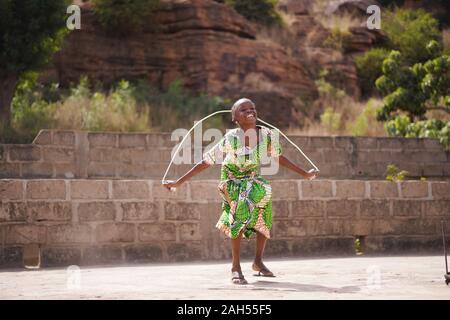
[247,196]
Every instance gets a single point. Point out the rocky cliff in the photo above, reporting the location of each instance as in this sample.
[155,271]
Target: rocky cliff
[207,45]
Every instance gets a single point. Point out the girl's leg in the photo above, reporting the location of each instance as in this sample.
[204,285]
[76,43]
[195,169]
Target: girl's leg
[260,245]
[236,261]
[258,264]
[236,254]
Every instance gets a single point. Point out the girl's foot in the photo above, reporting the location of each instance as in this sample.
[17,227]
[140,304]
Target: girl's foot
[262,270]
[238,278]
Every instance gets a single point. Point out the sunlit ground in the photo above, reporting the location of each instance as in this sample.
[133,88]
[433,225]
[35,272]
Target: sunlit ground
[399,277]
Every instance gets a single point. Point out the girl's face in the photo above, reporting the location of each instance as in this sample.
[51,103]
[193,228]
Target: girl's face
[246,114]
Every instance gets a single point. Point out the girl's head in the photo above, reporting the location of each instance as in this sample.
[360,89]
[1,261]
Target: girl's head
[243,112]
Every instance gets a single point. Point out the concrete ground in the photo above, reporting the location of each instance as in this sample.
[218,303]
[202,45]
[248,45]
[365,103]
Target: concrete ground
[407,277]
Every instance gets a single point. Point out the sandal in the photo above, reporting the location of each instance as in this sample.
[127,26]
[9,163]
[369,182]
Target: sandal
[262,272]
[238,278]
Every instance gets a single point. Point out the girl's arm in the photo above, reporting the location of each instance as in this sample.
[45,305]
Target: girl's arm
[288,164]
[199,167]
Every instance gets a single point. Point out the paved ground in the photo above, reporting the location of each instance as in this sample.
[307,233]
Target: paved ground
[419,277]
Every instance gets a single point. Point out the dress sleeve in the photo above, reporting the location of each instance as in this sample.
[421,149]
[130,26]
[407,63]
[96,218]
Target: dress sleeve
[217,153]
[274,146]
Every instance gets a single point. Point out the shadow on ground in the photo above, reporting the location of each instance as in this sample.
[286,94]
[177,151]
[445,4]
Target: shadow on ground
[293,287]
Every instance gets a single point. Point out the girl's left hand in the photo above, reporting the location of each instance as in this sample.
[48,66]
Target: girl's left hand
[311,174]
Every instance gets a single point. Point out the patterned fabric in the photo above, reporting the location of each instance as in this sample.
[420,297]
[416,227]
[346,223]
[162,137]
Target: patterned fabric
[247,196]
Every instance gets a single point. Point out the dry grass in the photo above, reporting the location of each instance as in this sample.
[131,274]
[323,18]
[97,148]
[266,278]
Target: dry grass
[341,22]
[279,35]
[345,117]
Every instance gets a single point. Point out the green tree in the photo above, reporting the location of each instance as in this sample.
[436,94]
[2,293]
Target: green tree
[124,16]
[410,31]
[415,89]
[407,31]
[368,67]
[262,11]
[30,32]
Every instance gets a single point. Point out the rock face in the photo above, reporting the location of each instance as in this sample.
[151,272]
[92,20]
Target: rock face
[297,7]
[341,68]
[362,39]
[311,36]
[207,45]
[357,7]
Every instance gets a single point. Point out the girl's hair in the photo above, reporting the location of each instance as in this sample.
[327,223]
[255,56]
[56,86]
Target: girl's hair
[237,104]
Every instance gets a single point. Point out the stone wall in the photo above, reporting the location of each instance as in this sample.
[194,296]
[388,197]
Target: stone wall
[74,154]
[86,222]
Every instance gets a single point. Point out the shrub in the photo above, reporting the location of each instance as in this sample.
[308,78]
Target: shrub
[415,89]
[127,107]
[337,39]
[410,31]
[366,122]
[262,11]
[178,107]
[394,174]
[124,16]
[331,120]
[95,111]
[407,31]
[368,66]
[403,127]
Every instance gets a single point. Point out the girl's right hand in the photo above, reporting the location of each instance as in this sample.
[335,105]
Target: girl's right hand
[170,184]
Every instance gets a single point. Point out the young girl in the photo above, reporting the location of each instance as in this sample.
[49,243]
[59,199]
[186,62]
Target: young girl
[247,196]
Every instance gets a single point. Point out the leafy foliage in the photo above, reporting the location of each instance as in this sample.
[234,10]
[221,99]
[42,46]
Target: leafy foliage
[368,66]
[408,32]
[402,127]
[124,16]
[262,11]
[30,31]
[127,107]
[415,89]
[394,174]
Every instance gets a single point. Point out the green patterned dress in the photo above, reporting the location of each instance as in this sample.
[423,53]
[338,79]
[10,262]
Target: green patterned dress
[247,196]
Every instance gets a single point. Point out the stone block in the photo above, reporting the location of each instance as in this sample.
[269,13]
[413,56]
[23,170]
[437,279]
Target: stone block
[308,208]
[123,189]
[135,211]
[65,138]
[115,232]
[60,256]
[58,154]
[46,189]
[69,233]
[383,189]
[89,189]
[190,231]
[102,139]
[414,189]
[24,153]
[316,189]
[439,190]
[11,190]
[161,231]
[143,253]
[25,234]
[350,189]
[96,211]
